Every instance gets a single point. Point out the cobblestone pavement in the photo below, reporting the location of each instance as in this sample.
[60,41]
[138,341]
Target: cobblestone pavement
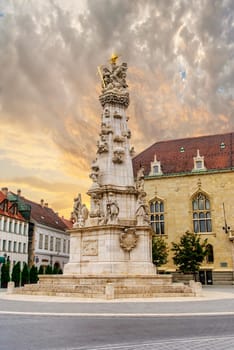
[205,343]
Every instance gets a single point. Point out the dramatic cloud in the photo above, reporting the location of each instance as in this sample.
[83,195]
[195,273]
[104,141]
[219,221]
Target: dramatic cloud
[181,78]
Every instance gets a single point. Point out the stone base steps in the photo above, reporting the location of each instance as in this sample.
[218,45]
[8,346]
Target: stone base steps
[107,287]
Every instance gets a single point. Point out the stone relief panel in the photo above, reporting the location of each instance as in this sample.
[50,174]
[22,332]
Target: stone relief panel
[128,239]
[90,248]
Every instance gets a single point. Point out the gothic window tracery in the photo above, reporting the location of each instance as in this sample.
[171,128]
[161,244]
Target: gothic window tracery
[157,216]
[201,213]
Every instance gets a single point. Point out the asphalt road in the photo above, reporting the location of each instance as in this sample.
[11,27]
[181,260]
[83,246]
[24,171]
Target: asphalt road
[48,323]
[23,332]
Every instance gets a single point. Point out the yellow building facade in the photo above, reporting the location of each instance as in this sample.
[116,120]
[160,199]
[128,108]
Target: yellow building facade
[190,187]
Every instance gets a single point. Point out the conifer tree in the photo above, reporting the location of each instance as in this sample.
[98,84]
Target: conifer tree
[16,274]
[189,253]
[33,274]
[25,275]
[5,275]
[41,270]
[49,270]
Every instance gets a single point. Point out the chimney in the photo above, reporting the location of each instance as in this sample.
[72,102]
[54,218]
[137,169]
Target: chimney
[19,192]
[5,191]
[42,202]
[46,205]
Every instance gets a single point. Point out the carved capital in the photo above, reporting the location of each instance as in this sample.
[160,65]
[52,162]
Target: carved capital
[114,98]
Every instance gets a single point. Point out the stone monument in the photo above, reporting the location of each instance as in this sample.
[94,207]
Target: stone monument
[111,245]
[115,238]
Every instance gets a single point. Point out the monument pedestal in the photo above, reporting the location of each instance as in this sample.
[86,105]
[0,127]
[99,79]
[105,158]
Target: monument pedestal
[110,249]
[108,287]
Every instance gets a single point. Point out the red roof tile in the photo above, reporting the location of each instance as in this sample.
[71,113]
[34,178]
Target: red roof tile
[174,161]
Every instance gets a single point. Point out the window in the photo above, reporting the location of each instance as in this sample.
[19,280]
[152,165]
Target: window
[4,245]
[25,229]
[15,246]
[24,248]
[198,162]
[20,228]
[5,225]
[58,245]
[9,246]
[15,227]
[64,245]
[155,167]
[41,241]
[19,247]
[157,216]
[201,214]
[46,242]
[51,243]
[210,254]
[10,226]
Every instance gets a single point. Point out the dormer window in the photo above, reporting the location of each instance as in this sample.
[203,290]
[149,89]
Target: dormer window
[155,167]
[222,145]
[198,162]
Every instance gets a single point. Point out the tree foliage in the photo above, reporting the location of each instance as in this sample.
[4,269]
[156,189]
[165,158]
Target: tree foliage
[25,275]
[189,253]
[159,251]
[49,270]
[16,274]
[33,274]
[5,274]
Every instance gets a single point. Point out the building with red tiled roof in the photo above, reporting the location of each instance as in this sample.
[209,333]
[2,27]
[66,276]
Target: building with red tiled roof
[190,186]
[13,232]
[48,242]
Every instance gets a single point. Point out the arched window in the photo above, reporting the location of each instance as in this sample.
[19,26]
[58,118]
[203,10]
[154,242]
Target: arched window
[210,254]
[157,216]
[201,214]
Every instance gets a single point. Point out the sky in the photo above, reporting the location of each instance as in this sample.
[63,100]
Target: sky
[180,55]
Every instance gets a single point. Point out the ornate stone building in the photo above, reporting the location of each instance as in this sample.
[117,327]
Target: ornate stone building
[190,186]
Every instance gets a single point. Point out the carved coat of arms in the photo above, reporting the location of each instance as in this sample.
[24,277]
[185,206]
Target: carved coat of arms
[128,239]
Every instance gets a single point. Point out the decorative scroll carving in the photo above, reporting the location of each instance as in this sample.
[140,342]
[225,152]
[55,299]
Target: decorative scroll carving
[117,115]
[118,138]
[90,248]
[94,173]
[114,99]
[118,156]
[128,239]
[106,129]
[102,145]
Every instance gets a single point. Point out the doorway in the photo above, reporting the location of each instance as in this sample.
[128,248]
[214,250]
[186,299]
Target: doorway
[206,277]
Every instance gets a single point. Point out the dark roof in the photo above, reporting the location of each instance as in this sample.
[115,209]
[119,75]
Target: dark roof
[173,161]
[9,209]
[43,214]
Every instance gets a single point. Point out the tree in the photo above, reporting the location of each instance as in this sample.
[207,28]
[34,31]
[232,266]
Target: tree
[25,275]
[189,253]
[49,270]
[33,274]
[16,272]
[159,251]
[41,270]
[5,275]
